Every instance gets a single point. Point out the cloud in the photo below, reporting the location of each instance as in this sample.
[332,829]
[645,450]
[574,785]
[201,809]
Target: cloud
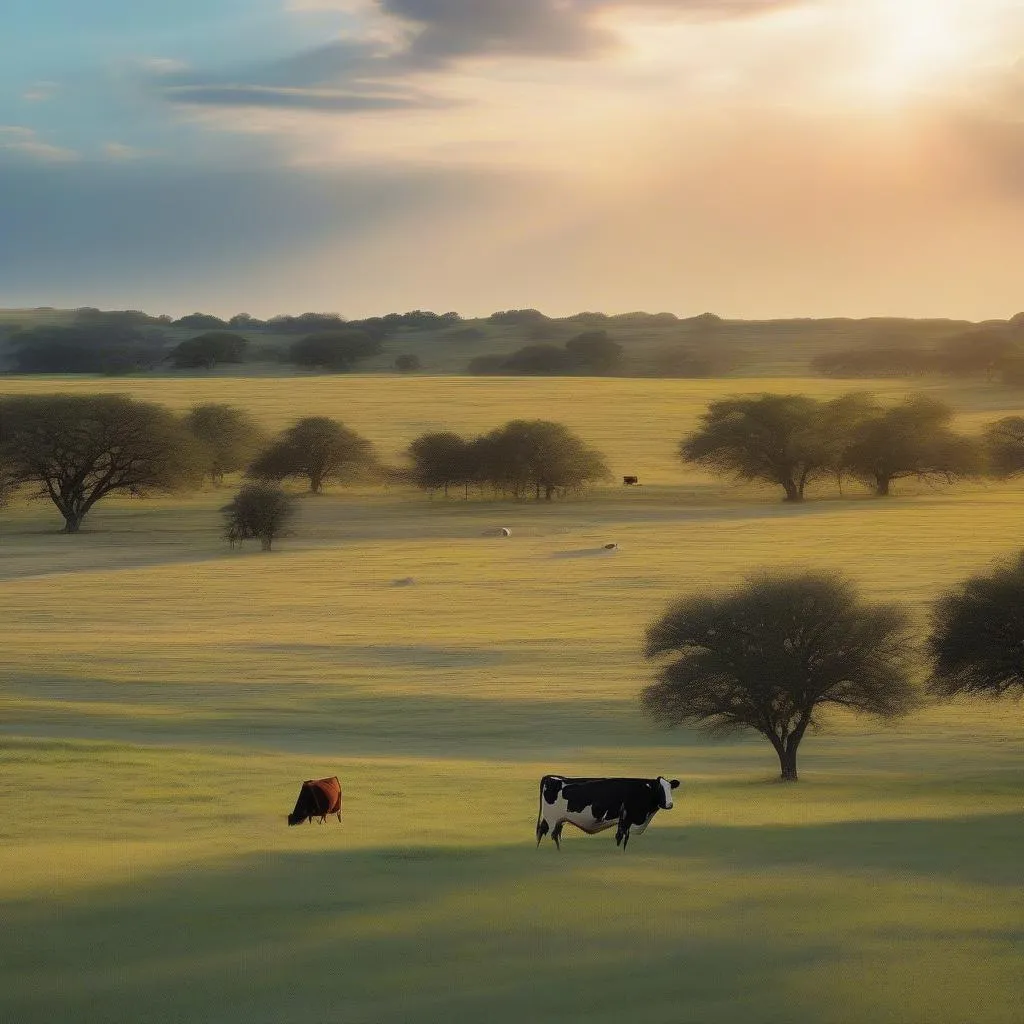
[40,92]
[406,39]
[119,151]
[296,99]
[24,142]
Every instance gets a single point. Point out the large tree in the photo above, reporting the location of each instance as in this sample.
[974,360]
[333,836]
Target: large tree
[537,455]
[317,449]
[78,449]
[772,655]
[976,641]
[776,439]
[229,437]
[912,439]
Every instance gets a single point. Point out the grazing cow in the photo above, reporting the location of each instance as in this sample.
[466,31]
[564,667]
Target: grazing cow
[594,805]
[630,481]
[317,799]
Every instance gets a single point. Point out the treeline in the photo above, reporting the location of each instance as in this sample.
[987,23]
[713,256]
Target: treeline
[76,450]
[996,352]
[792,441]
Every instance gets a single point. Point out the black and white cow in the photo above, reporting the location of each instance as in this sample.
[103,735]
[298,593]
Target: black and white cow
[594,805]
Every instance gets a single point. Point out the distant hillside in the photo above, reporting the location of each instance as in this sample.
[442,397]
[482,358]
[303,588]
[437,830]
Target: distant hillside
[651,344]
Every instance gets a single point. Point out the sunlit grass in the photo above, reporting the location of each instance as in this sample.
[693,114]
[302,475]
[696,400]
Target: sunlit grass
[162,697]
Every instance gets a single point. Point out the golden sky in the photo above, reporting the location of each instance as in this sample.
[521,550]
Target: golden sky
[755,158]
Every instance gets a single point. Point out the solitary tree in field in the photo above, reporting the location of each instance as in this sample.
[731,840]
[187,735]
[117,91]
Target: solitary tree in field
[258,511]
[227,435]
[912,439]
[1004,440]
[774,654]
[977,635]
[317,449]
[776,439]
[78,449]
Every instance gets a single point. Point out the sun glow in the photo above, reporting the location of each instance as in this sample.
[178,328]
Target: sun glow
[916,45]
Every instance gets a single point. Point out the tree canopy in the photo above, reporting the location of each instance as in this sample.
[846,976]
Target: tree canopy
[228,436]
[772,438]
[773,654]
[207,350]
[259,511]
[441,460]
[76,449]
[976,641]
[1004,440]
[317,449]
[912,439]
[334,350]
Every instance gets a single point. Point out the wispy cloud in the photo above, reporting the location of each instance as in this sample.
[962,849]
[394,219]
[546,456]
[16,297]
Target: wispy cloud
[119,151]
[25,142]
[334,100]
[40,92]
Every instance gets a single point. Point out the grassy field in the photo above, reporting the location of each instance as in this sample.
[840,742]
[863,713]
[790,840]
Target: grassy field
[163,697]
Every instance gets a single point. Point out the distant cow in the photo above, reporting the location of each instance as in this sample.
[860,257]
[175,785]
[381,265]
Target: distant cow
[504,531]
[317,799]
[594,805]
[630,481]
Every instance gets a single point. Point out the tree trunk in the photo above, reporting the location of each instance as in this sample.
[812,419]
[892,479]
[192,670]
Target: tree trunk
[72,521]
[787,762]
[793,493]
[315,483]
[882,483]
[548,493]
[266,542]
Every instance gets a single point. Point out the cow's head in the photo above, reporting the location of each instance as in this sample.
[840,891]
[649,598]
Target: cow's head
[665,792]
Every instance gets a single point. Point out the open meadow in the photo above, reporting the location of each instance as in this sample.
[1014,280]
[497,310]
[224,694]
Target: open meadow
[162,697]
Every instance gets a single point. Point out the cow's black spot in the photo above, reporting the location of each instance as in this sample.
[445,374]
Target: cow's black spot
[552,787]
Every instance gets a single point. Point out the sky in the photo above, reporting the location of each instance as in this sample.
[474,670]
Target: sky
[752,158]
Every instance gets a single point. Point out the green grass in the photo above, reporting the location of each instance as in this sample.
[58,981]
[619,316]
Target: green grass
[162,697]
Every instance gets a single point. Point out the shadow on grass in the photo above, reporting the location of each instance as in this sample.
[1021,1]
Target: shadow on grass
[499,934]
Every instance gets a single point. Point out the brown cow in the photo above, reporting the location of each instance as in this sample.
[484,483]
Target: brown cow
[317,799]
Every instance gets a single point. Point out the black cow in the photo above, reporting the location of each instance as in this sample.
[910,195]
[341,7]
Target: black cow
[594,805]
[317,799]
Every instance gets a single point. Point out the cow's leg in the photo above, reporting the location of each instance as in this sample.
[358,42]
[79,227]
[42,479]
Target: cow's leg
[339,817]
[542,829]
[556,834]
[622,832]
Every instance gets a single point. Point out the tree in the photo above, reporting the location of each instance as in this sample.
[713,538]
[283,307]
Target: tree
[258,511]
[594,352]
[772,438]
[107,349]
[229,438]
[441,460]
[976,641]
[983,350]
[537,455]
[334,350]
[538,359]
[207,350]
[200,322]
[912,439]
[408,363]
[774,654]
[317,449]
[78,449]
[1004,441]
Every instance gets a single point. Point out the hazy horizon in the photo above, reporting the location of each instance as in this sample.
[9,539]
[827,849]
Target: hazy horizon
[753,158]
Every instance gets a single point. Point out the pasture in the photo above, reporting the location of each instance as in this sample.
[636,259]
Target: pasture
[163,697]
